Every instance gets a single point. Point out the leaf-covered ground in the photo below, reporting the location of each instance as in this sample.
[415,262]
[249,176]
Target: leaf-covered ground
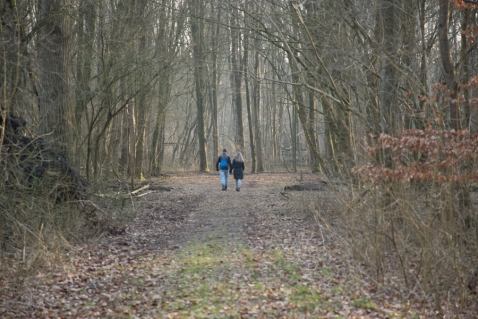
[199,252]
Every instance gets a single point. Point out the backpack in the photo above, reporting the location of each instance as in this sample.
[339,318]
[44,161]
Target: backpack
[223,164]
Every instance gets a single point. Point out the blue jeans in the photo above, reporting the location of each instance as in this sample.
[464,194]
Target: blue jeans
[224,176]
[238,183]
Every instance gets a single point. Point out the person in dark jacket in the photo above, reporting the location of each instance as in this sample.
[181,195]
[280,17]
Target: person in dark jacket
[223,167]
[238,167]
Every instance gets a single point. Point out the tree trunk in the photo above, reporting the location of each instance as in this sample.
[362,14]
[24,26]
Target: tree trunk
[420,122]
[447,62]
[237,82]
[465,76]
[293,137]
[140,119]
[157,146]
[86,36]
[132,139]
[54,104]
[215,88]
[197,39]
[10,62]
[387,80]
[248,104]
[257,112]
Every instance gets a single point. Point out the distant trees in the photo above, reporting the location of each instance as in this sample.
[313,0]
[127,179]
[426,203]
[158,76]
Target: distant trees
[129,87]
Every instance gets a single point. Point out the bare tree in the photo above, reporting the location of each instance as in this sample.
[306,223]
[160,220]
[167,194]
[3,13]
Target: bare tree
[257,98]
[447,62]
[196,10]
[237,68]
[54,80]
[215,82]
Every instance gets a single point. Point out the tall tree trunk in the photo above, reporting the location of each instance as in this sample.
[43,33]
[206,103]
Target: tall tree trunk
[447,61]
[140,120]
[257,111]
[420,121]
[237,82]
[54,104]
[248,104]
[157,144]
[86,37]
[139,17]
[387,81]
[124,144]
[464,72]
[293,137]
[274,125]
[215,87]
[314,161]
[197,39]
[311,15]
[84,67]
[132,139]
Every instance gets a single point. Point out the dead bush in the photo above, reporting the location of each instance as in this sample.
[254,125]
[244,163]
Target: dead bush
[415,218]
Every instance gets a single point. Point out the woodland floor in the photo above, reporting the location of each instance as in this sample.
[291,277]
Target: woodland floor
[199,252]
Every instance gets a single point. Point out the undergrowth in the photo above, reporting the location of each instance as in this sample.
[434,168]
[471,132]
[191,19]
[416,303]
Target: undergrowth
[38,225]
[413,221]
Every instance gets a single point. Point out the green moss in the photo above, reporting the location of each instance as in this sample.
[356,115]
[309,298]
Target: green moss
[363,303]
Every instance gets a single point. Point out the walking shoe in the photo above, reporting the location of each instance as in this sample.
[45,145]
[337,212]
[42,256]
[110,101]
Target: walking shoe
[237,189]
[223,188]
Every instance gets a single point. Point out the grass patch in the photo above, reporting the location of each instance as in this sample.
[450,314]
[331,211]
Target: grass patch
[363,303]
[223,282]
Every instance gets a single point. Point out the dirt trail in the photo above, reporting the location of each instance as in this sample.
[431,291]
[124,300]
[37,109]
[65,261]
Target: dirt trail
[223,215]
[199,252]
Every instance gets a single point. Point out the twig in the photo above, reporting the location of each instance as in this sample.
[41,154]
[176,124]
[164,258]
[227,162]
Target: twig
[148,192]
[140,189]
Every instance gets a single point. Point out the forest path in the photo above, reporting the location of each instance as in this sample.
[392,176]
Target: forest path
[199,252]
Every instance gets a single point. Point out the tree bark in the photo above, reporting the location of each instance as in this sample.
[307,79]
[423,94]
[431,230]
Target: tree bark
[464,72]
[248,104]
[447,62]
[257,112]
[197,39]
[237,82]
[55,118]
[215,86]
[141,108]
[387,80]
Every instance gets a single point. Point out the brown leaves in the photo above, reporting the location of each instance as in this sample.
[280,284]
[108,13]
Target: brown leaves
[425,155]
[276,269]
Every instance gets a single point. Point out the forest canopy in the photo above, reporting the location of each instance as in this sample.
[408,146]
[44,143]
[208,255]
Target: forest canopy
[136,87]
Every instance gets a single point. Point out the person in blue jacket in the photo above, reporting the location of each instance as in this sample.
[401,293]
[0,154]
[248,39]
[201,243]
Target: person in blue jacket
[223,164]
[238,167]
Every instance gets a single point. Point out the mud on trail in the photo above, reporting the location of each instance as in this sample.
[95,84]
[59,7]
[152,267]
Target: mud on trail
[199,252]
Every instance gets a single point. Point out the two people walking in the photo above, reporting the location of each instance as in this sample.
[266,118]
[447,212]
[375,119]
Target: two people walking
[225,167]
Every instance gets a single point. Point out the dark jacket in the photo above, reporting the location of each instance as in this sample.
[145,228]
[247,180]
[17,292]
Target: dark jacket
[228,160]
[238,168]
